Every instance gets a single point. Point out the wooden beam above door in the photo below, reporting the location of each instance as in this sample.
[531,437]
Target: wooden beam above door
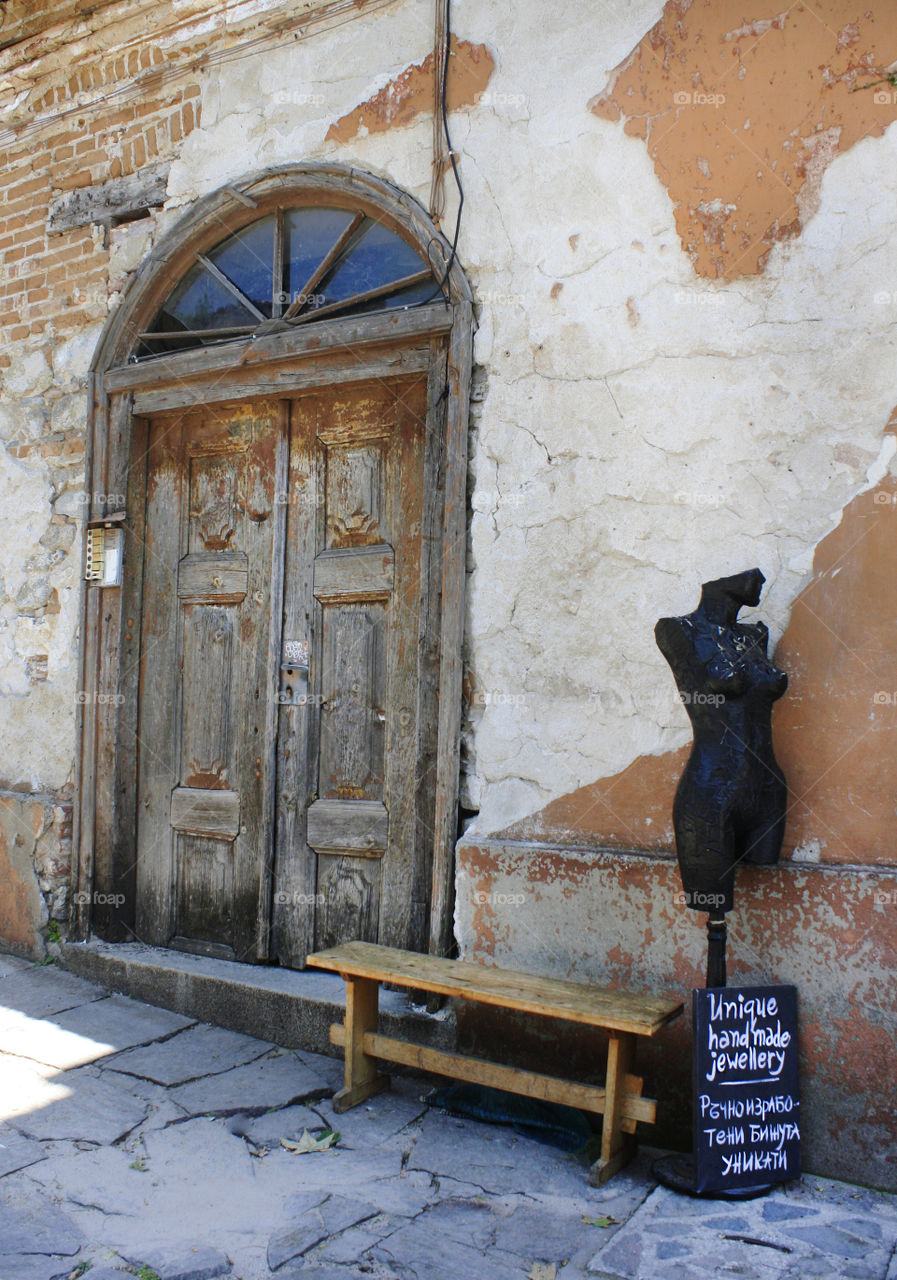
[248,354]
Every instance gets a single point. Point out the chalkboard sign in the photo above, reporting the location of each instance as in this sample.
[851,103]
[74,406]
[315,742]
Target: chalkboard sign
[746,1107]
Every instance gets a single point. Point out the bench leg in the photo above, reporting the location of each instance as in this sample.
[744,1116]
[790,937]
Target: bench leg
[362,1079]
[617,1146]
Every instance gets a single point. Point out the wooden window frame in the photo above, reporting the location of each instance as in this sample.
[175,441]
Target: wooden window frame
[436,337]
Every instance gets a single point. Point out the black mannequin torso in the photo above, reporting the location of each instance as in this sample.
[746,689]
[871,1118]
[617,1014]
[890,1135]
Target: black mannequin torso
[731,799]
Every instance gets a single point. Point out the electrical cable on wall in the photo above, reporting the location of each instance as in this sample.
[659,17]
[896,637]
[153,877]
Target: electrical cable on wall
[442,141]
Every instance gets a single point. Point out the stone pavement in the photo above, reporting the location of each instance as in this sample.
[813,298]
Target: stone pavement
[134,1141]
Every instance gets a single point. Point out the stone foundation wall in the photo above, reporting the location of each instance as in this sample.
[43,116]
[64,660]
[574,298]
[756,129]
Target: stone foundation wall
[618,919]
[35,868]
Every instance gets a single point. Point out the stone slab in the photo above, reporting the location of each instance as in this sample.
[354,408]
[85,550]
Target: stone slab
[22,1266]
[258,1086]
[27,1087]
[267,1130]
[326,1272]
[414,1251]
[488,1158]
[17,1152]
[314,1223]
[199,1051]
[199,1262]
[13,964]
[30,1224]
[84,1108]
[379,1120]
[760,1237]
[44,990]
[92,1031]
[356,1242]
[198,1184]
[378,1177]
[110,1180]
[110,1273]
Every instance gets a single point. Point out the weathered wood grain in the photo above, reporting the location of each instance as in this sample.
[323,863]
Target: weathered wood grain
[529,993]
[454,543]
[395,330]
[202,812]
[529,1084]
[360,826]
[363,574]
[115,200]
[213,577]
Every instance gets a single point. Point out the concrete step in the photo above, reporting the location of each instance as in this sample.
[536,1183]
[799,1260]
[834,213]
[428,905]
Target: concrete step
[290,1008]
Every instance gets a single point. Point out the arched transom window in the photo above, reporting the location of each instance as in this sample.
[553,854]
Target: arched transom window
[290,268]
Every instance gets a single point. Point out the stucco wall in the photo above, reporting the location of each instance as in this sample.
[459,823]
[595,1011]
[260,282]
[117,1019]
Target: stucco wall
[655,402]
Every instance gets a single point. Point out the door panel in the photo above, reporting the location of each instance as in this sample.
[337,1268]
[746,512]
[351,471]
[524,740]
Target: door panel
[208,680]
[348,836]
[287,676]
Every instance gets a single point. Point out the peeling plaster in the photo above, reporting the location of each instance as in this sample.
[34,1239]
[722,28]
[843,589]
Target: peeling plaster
[412,93]
[741,119]
[835,731]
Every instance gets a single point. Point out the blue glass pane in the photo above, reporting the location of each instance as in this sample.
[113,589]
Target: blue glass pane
[377,258]
[426,291]
[200,302]
[247,259]
[309,235]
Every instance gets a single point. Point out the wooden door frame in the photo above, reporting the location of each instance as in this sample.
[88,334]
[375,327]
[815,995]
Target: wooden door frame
[435,337]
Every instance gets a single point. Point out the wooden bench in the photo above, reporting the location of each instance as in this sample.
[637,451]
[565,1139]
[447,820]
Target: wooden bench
[365,965]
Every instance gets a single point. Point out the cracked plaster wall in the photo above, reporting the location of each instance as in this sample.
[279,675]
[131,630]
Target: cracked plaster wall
[636,428]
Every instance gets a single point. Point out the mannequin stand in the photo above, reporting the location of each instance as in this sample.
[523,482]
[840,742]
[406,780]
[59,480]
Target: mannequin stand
[677,1172]
[716,952]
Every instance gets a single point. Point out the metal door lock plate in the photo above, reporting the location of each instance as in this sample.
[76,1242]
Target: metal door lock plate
[293,690]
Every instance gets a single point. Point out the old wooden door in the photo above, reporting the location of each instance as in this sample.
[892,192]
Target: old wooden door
[357,737]
[208,668]
[287,719]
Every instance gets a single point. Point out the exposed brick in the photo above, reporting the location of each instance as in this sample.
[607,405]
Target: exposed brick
[124,116]
[81,179]
[95,158]
[187,117]
[26,188]
[68,254]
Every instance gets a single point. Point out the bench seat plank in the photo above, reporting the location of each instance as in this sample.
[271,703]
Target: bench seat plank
[551,997]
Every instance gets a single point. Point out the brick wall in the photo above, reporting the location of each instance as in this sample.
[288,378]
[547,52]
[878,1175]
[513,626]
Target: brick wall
[46,277]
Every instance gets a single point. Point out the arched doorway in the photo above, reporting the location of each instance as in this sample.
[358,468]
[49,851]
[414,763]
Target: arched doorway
[269,738]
